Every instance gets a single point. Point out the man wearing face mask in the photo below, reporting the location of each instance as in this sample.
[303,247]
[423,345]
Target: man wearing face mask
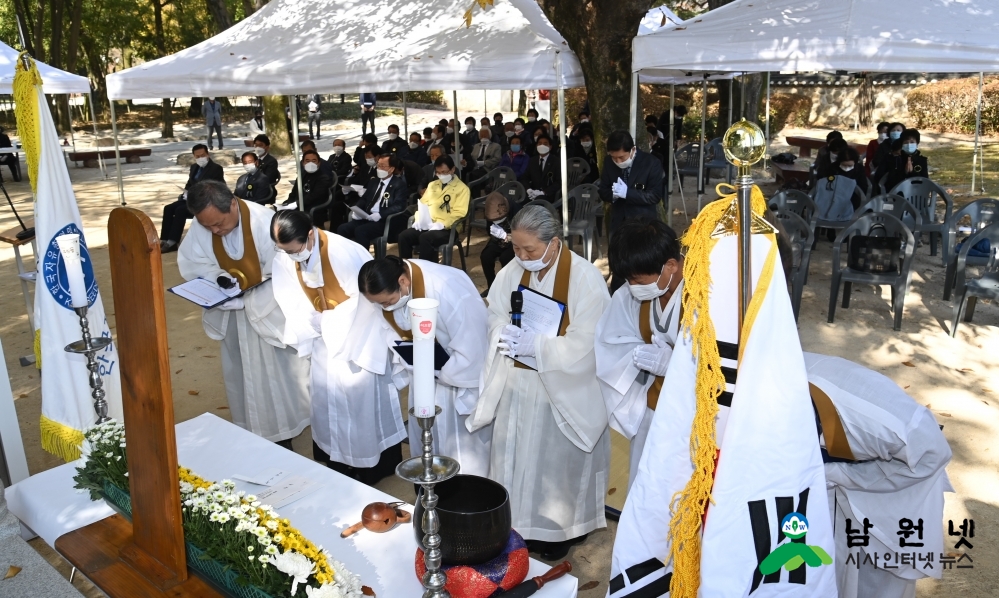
[870,160]
[367,140]
[585,148]
[254,185]
[212,111]
[443,204]
[268,163]
[390,283]
[469,136]
[176,214]
[485,153]
[395,145]
[498,127]
[257,124]
[909,164]
[315,186]
[544,172]
[417,153]
[532,123]
[582,122]
[386,194]
[324,165]
[636,334]
[526,138]
[266,382]
[499,211]
[356,422]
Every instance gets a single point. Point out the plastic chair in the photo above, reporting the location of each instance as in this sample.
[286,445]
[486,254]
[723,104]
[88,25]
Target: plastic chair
[381,243]
[986,286]
[323,206]
[925,195]
[715,160]
[583,224]
[578,169]
[796,202]
[801,235]
[446,250]
[687,160]
[982,213]
[545,204]
[493,180]
[858,197]
[896,205]
[899,280]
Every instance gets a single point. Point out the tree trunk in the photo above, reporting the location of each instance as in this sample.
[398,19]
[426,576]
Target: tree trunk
[22,10]
[522,103]
[166,113]
[194,109]
[754,88]
[39,31]
[600,35]
[220,15]
[275,125]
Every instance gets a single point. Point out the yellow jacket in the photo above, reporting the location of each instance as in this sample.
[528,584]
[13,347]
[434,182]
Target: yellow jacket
[447,204]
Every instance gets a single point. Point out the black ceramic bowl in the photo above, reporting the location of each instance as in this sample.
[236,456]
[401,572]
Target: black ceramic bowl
[474,517]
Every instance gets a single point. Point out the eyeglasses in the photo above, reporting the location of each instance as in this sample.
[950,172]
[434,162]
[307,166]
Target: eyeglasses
[300,250]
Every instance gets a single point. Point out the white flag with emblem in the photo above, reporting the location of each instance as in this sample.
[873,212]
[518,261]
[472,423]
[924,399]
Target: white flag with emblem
[67,405]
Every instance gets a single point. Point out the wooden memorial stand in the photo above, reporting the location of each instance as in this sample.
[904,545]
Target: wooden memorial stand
[145,557]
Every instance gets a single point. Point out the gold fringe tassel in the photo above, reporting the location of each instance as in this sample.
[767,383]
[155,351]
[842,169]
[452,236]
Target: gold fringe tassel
[26,113]
[37,348]
[687,506]
[61,440]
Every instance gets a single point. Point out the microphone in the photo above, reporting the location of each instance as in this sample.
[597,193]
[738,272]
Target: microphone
[516,307]
[225,282]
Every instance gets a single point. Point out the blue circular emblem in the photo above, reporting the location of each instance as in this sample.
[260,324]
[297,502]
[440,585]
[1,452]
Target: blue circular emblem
[54,271]
[794,525]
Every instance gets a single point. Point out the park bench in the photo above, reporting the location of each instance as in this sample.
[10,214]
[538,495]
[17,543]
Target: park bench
[805,145]
[791,172]
[89,158]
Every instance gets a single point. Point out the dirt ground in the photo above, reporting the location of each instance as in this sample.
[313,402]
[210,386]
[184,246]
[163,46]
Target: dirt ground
[955,378]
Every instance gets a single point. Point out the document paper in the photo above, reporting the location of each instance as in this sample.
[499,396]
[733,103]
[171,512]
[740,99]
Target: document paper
[542,315]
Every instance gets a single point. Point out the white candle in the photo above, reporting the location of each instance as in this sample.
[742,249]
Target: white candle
[423,318]
[69,246]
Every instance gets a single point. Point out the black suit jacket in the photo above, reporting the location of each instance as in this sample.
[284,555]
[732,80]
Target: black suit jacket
[315,188]
[397,146]
[645,188]
[212,172]
[341,165]
[254,187]
[548,179]
[398,196]
[269,165]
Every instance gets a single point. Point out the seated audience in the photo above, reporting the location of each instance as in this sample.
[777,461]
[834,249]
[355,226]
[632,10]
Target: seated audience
[367,140]
[395,145]
[339,161]
[544,173]
[909,163]
[485,153]
[498,127]
[315,186]
[257,124]
[499,211]
[267,162]
[870,159]
[417,153]
[253,186]
[386,194]
[515,158]
[429,170]
[582,122]
[324,165]
[176,214]
[849,166]
[584,148]
[446,203]
[825,163]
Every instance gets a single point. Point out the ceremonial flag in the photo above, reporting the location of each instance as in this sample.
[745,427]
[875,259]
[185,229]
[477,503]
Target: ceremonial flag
[67,405]
[730,498]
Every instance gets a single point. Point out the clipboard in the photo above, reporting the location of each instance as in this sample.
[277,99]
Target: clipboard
[205,293]
[538,316]
[404,349]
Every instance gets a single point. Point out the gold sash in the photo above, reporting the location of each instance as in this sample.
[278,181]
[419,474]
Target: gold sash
[331,294]
[246,269]
[645,328]
[418,291]
[560,292]
[837,444]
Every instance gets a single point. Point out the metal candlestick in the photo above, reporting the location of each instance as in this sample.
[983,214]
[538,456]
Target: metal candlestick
[428,470]
[90,346]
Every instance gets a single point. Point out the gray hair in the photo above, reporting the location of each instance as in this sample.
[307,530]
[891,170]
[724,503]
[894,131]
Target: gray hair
[209,193]
[538,221]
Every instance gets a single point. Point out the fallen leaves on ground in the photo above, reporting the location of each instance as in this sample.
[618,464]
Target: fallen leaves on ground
[611,491]
[908,364]
[179,371]
[12,572]
[22,395]
[221,408]
[588,585]
[944,414]
[194,392]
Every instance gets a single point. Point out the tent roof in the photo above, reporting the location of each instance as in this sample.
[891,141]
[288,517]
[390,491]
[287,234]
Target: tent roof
[337,46]
[53,80]
[658,19]
[822,35]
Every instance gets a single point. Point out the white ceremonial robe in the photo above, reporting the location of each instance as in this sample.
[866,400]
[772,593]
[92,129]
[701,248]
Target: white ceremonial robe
[551,444]
[900,473]
[266,383]
[355,405]
[623,385]
[462,328]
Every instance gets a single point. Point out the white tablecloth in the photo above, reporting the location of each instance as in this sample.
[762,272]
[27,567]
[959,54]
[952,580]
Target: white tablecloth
[216,449]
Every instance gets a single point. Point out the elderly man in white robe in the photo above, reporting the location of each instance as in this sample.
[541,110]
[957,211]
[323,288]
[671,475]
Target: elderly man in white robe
[462,326]
[551,446]
[266,382]
[885,459]
[636,335]
[357,425]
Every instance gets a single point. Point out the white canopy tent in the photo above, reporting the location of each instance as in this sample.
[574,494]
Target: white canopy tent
[323,46]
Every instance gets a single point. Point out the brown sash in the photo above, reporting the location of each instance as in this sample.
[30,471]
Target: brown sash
[331,294]
[419,291]
[560,292]
[837,444]
[645,328]
[247,268]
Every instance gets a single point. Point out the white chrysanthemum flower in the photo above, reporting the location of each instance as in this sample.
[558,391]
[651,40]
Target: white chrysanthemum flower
[223,518]
[349,583]
[202,491]
[249,549]
[109,455]
[279,538]
[254,503]
[251,497]
[272,525]
[272,549]
[294,565]
[218,495]
[214,517]
[264,558]
[260,532]
[186,487]
[244,508]
[325,591]
[264,541]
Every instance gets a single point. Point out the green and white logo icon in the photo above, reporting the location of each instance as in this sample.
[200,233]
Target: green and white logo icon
[791,555]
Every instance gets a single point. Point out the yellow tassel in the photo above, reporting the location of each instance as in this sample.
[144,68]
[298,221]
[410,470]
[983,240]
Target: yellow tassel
[61,440]
[37,348]
[687,506]
[26,113]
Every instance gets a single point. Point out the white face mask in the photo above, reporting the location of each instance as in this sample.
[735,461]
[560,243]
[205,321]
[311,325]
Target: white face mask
[518,129]
[531,119]
[382,174]
[337,150]
[202,162]
[909,148]
[846,168]
[211,99]
[393,136]
[543,150]
[587,145]
[433,136]
[403,300]
[310,167]
[535,265]
[250,168]
[627,163]
[833,157]
[484,141]
[303,255]
[445,178]
[469,127]
[648,292]
[413,145]
[508,134]
[370,161]
[584,120]
[259,151]
[450,130]
[882,137]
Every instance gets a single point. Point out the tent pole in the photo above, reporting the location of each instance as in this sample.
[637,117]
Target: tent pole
[671,157]
[766,135]
[457,142]
[633,121]
[485,103]
[731,84]
[978,127]
[117,153]
[405,115]
[93,121]
[294,144]
[704,122]
[564,150]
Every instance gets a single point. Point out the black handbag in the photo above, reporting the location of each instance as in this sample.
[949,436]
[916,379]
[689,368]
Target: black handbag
[874,253]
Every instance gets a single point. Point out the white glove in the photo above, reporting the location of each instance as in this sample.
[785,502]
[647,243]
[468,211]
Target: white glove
[374,217]
[359,189]
[436,226]
[316,321]
[653,358]
[234,289]
[515,341]
[619,189]
[232,304]
[534,193]
[497,231]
